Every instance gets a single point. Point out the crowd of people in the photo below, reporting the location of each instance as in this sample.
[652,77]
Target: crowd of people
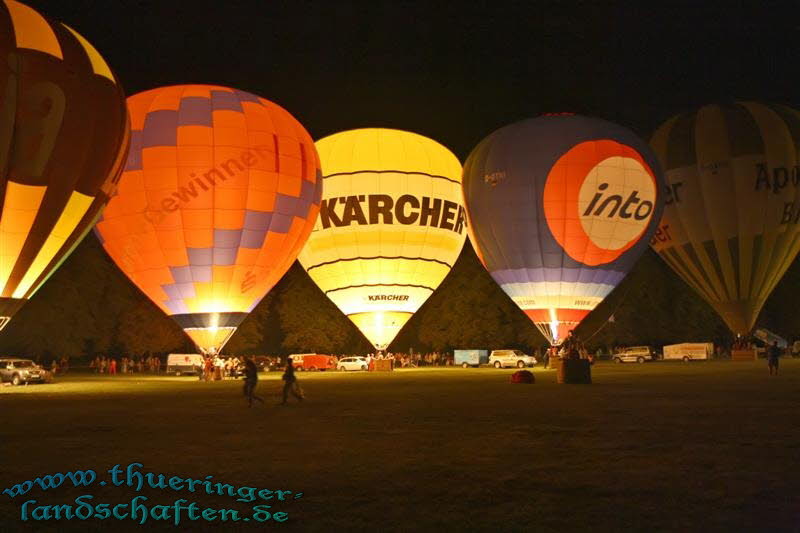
[216,367]
[743,343]
[571,348]
[414,360]
[59,366]
[126,365]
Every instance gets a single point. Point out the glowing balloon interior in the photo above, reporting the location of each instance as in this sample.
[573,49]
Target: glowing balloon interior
[561,207]
[391,226]
[730,227]
[63,138]
[219,193]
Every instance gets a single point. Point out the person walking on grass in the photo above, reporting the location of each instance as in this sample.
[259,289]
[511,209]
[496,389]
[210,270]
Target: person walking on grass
[773,353]
[290,384]
[250,381]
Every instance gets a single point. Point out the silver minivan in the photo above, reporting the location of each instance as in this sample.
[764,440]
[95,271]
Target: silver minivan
[18,371]
[634,354]
[510,358]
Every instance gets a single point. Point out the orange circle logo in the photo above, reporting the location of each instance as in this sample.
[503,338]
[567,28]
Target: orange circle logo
[599,199]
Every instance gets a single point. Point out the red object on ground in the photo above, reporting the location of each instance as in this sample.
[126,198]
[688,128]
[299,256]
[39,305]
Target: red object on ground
[313,362]
[523,376]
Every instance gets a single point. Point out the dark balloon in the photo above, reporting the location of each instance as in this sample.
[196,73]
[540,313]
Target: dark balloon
[63,140]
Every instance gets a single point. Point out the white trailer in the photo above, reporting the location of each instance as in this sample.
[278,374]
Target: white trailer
[689,351]
[185,363]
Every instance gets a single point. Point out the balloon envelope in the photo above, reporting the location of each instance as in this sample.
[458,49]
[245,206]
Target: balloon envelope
[391,226]
[220,191]
[561,207]
[730,225]
[63,137]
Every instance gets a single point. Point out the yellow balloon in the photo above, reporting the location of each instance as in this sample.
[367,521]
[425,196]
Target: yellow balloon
[391,226]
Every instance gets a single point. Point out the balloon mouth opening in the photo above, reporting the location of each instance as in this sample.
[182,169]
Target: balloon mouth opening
[554,328]
[380,327]
[555,323]
[210,331]
[210,340]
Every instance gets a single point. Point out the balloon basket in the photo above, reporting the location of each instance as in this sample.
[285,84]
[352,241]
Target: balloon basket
[574,371]
[383,365]
[744,355]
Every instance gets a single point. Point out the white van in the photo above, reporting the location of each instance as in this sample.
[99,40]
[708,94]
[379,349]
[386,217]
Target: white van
[185,363]
[689,351]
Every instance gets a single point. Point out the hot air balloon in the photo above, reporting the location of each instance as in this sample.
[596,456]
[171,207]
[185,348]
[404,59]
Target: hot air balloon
[391,226]
[220,191]
[63,138]
[561,207]
[730,226]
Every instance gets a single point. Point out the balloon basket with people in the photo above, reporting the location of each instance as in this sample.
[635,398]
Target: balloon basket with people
[573,366]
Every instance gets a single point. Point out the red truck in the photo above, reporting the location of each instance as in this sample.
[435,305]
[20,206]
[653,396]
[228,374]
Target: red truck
[313,361]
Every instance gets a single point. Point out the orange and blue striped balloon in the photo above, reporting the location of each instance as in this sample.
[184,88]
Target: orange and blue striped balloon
[220,192]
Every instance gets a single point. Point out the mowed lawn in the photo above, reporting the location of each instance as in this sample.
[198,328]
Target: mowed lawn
[662,446]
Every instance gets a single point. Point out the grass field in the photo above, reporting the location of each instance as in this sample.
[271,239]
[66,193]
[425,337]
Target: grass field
[664,446]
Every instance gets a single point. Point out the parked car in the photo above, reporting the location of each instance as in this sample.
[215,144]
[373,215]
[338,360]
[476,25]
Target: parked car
[634,354]
[313,361]
[18,371]
[352,363]
[266,363]
[510,358]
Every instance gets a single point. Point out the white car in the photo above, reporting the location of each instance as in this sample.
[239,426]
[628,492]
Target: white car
[634,354]
[352,363]
[510,358]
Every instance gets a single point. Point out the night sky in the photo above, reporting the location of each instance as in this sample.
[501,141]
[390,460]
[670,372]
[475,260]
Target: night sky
[454,71]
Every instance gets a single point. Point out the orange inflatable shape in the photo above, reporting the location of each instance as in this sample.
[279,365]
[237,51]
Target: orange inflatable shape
[220,192]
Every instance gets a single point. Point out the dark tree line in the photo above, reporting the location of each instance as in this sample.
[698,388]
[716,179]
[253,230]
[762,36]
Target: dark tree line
[89,307]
